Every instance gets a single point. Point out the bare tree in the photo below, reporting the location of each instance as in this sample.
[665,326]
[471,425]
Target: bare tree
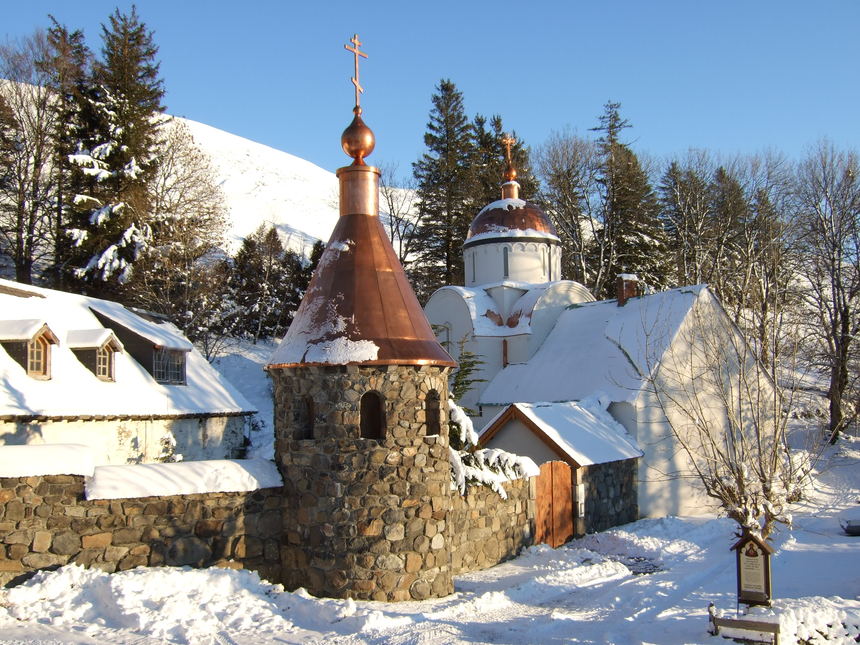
[730,419]
[569,167]
[399,203]
[828,199]
[180,274]
[26,193]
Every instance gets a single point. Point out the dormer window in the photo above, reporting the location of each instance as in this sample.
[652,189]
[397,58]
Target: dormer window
[95,349]
[168,366]
[29,342]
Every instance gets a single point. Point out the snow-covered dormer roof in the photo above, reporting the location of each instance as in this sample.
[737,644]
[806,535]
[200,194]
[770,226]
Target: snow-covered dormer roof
[21,330]
[597,347]
[75,391]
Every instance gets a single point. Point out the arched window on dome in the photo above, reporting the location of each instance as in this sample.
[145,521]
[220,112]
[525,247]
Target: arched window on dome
[473,268]
[432,411]
[505,267]
[372,414]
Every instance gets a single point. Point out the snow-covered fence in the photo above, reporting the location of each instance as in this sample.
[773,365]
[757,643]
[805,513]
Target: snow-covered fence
[47,520]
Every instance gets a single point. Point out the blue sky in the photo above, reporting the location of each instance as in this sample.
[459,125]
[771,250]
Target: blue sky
[731,76]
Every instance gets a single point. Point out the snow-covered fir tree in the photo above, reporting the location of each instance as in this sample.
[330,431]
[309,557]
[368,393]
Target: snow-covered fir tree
[115,158]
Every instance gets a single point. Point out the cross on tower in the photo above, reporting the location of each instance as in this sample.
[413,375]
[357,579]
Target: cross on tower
[356,53]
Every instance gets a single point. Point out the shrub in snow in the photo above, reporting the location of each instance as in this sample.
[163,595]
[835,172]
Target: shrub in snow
[487,467]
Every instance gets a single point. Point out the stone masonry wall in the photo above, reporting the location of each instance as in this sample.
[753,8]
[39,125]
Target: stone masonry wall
[485,529]
[46,522]
[364,518]
[610,494]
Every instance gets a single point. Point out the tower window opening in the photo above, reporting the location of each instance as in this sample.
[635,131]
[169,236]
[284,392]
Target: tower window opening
[304,418]
[372,416]
[473,267]
[432,410]
[505,269]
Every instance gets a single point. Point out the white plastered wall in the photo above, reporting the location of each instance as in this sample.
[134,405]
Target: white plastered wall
[122,441]
[516,438]
[535,262]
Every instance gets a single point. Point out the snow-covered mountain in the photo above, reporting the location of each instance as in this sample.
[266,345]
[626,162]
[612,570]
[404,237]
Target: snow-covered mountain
[267,186]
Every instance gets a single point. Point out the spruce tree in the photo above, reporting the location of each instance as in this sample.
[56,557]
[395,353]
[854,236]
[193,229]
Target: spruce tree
[68,67]
[488,163]
[632,238]
[116,157]
[444,191]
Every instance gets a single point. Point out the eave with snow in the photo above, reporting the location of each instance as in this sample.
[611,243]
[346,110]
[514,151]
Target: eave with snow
[125,383]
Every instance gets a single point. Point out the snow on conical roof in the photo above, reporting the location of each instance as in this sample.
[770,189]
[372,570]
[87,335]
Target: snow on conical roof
[359,307]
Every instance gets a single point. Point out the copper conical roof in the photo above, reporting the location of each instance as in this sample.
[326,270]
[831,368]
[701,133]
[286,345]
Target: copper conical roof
[359,307]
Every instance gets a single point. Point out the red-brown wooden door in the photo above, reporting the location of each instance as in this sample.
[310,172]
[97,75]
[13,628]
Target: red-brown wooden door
[554,504]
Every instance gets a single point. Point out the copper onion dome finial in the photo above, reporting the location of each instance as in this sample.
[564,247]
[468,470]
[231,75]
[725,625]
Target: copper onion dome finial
[357,140]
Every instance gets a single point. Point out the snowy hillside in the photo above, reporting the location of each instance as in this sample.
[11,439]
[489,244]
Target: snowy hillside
[268,186]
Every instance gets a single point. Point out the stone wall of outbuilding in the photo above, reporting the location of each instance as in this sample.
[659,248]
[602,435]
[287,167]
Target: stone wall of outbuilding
[485,529]
[610,494]
[45,522]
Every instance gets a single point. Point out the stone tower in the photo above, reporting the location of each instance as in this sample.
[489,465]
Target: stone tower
[361,414]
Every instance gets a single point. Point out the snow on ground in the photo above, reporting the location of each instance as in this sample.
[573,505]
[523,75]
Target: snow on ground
[584,592]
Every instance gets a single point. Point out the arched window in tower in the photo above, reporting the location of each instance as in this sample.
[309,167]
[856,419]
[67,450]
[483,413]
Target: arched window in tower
[372,416]
[303,418]
[505,269]
[473,266]
[432,410]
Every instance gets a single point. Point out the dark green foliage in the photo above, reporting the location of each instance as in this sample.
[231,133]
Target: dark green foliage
[115,158]
[444,182]
[632,238]
[488,163]
[463,378]
[68,66]
[268,283]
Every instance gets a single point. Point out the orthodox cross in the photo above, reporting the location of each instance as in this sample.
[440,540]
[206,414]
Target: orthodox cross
[356,53]
[508,141]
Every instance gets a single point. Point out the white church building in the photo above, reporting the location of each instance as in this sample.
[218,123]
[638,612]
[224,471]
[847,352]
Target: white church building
[550,350]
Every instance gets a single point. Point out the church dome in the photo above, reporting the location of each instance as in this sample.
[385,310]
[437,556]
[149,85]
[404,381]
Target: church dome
[512,217]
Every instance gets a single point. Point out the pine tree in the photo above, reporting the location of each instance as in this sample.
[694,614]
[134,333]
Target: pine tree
[116,157]
[68,67]
[488,163]
[632,239]
[444,192]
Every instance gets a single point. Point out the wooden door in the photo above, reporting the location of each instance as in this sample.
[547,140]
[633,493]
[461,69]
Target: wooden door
[554,504]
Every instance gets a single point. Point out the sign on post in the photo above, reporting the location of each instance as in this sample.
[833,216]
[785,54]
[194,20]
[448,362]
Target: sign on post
[753,555]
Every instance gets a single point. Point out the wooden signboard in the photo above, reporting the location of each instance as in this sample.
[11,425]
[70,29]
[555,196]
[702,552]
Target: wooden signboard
[753,555]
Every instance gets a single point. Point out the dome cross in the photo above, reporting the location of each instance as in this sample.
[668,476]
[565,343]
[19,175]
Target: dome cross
[356,53]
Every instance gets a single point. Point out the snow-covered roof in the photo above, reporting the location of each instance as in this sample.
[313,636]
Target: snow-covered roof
[73,390]
[597,346]
[484,312]
[20,330]
[161,336]
[583,431]
[89,338]
[503,232]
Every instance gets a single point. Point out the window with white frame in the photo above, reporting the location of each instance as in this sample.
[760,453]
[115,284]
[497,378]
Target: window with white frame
[37,357]
[168,366]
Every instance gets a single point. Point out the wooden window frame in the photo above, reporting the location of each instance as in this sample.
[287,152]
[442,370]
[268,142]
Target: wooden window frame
[168,366]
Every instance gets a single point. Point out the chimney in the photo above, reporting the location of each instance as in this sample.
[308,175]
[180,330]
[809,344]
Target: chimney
[626,287]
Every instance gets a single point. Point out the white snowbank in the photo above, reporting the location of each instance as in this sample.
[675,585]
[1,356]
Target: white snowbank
[185,478]
[33,460]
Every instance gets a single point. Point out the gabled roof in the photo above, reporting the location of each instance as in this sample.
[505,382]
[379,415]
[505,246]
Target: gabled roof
[597,347]
[584,434]
[74,391]
[92,339]
[24,330]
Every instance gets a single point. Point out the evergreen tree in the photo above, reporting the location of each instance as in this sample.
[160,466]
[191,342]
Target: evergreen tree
[116,158]
[632,239]
[68,67]
[488,163]
[731,216]
[444,193]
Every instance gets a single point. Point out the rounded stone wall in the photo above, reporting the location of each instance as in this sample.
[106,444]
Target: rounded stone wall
[364,518]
